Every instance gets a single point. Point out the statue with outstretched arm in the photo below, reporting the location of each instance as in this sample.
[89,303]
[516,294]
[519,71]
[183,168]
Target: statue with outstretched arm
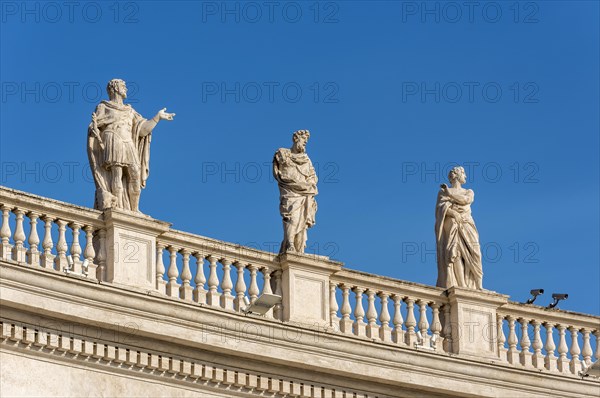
[119,149]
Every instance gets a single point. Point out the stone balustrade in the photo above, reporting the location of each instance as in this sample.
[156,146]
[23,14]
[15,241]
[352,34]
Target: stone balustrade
[72,238]
[215,273]
[388,310]
[534,337]
[132,251]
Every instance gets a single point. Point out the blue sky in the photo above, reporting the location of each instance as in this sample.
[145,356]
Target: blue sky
[393,94]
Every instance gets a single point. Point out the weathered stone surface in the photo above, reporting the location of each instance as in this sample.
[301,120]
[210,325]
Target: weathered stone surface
[119,149]
[297,181]
[458,249]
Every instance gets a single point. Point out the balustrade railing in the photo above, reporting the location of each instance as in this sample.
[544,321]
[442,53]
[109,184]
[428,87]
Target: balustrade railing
[209,278]
[72,241]
[72,237]
[400,326]
[538,338]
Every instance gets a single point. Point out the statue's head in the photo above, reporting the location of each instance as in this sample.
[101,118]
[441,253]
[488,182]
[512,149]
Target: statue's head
[457,174]
[116,87]
[300,139]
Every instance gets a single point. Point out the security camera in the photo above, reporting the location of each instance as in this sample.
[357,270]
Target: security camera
[534,294]
[557,297]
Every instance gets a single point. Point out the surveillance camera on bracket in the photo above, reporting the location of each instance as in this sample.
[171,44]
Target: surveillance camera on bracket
[534,294]
[557,297]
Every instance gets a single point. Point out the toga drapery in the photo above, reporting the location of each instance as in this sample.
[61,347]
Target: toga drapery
[119,140]
[458,249]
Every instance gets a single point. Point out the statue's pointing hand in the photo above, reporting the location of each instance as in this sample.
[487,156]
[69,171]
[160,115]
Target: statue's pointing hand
[163,115]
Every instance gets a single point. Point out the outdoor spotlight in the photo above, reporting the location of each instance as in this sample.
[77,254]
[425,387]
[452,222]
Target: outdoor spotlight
[69,266]
[557,297]
[85,267]
[534,294]
[262,304]
[592,369]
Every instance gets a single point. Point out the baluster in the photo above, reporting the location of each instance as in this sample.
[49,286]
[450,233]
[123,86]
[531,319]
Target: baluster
[525,356]
[563,361]
[346,322]
[186,290]
[333,306]
[513,353]
[61,248]
[587,347]
[89,253]
[213,282]
[411,322]
[47,257]
[436,328]
[253,290]
[397,333]
[267,287]
[75,251]
[172,274]
[597,335]
[200,280]
[574,365]
[161,284]
[240,287]
[33,253]
[6,247]
[501,337]
[19,251]
[101,255]
[550,360]
[447,329]
[385,331]
[226,286]
[359,327]
[538,358]
[372,328]
[423,323]
[278,310]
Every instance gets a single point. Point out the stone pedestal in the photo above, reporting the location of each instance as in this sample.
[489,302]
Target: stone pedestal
[473,321]
[305,282]
[131,248]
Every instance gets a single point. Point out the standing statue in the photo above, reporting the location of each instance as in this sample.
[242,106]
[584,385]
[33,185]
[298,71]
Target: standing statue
[458,251]
[297,181]
[119,149]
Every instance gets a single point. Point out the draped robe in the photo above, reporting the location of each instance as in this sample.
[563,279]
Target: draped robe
[121,139]
[297,181]
[458,249]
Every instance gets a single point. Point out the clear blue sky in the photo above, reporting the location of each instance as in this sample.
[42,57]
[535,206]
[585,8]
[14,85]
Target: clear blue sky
[392,93]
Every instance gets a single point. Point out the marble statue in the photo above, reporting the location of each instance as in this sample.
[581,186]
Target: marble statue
[119,149]
[297,181]
[458,250]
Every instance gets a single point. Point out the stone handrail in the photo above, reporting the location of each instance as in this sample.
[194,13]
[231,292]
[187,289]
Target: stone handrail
[80,252]
[253,268]
[136,252]
[536,349]
[406,330]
